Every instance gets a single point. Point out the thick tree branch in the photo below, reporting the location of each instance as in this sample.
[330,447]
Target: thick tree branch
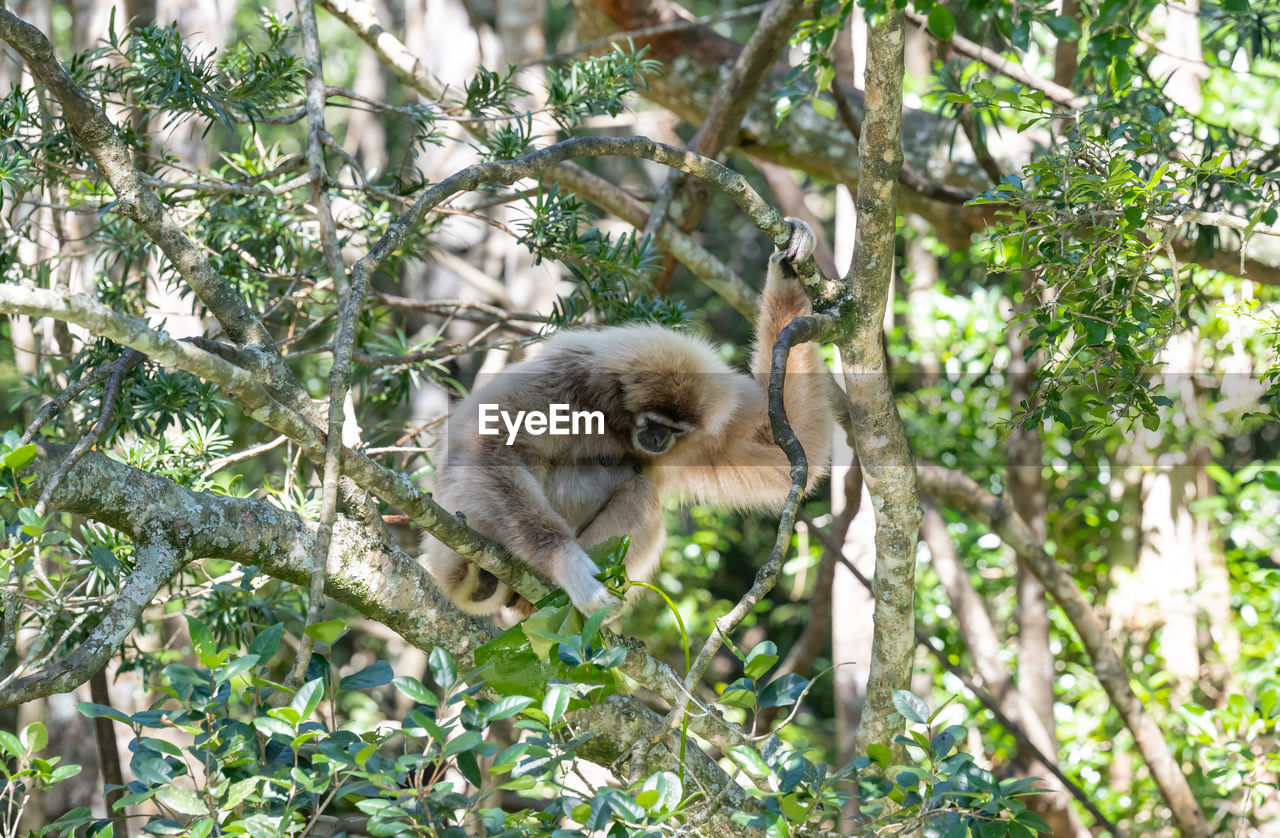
[380,581]
[879,436]
[963,494]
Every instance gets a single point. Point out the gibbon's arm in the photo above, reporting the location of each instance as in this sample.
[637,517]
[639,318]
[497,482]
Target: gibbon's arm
[742,467]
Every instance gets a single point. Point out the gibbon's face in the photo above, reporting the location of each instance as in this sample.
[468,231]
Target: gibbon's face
[655,434]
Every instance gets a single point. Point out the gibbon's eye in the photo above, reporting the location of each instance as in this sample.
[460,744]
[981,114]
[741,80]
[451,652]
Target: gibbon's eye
[656,434]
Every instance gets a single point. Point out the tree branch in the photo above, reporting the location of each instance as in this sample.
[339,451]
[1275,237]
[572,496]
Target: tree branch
[879,436]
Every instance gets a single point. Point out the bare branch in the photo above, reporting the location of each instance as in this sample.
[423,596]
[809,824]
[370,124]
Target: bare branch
[110,392]
[343,340]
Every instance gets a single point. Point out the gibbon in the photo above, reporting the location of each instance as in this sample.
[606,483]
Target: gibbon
[672,421]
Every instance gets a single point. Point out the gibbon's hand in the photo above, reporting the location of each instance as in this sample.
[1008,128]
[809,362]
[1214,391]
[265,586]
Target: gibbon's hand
[800,245]
[584,590]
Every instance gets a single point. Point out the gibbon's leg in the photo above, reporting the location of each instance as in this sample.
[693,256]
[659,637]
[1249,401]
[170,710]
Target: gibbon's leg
[634,509]
[508,504]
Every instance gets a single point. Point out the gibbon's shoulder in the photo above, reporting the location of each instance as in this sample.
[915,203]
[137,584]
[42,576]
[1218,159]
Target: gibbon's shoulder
[638,347]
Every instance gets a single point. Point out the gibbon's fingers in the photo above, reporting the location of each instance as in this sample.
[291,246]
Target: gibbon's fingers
[801,244]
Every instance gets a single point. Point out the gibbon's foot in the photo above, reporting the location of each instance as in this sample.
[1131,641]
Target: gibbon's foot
[800,245]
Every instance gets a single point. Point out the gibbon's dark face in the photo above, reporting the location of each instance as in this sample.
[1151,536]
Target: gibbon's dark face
[655,434]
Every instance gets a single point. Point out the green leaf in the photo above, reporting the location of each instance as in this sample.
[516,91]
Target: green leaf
[223,674]
[414,689]
[760,659]
[238,792]
[555,702]
[307,699]
[34,737]
[371,676]
[880,754]
[9,745]
[326,632]
[942,23]
[19,457]
[443,669]
[1032,821]
[160,746]
[63,772]
[264,645]
[824,108]
[508,706]
[741,693]
[783,691]
[202,828]
[70,821]
[750,760]
[664,791]
[1064,28]
[185,801]
[911,706]
[200,635]
[93,711]
[465,741]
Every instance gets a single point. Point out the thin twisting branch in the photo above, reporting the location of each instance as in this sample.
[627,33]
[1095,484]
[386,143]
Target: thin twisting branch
[798,331]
